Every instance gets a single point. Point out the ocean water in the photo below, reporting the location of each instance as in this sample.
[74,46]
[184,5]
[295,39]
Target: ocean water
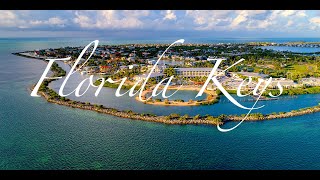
[35,134]
[293,49]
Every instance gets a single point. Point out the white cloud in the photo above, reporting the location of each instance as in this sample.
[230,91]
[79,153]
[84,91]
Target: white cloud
[170,15]
[315,20]
[239,19]
[54,21]
[135,13]
[207,20]
[23,19]
[277,20]
[213,20]
[287,12]
[110,19]
[82,20]
[301,13]
[242,17]
[9,19]
[314,23]
[225,20]
[290,22]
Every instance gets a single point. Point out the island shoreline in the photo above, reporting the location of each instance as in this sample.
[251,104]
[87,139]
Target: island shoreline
[169,119]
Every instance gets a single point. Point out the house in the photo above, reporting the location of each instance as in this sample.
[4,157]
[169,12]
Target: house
[133,66]
[145,54]
[311,81]
[105,69]
[190,58]
[252,74]
[151,61]
[214,59]
[285,83]
[123,67]
[157,68]
[132,59]
[157,76]
[36,53]
[195,72]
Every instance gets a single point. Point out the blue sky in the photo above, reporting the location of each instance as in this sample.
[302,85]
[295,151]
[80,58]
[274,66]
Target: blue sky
[160,23]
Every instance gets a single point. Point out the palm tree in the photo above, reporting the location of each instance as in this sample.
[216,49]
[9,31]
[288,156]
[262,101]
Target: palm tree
[170,72]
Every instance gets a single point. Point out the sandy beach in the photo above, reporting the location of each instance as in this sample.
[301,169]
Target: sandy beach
[174,103]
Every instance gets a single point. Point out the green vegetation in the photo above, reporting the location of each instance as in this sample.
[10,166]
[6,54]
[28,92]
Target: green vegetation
[169,72]
[297,71]
[217,120]
[294,91]
[230,91]
[184,117]
[59,72]
[200,79]
[208,102]
[166,101]
[291,91]
[178,100]
[256,115]
[173,116]
[196,117]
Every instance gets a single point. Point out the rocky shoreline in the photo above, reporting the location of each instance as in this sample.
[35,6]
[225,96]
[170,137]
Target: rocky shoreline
[28,55]
[293,113]
[208,120]
[124,114]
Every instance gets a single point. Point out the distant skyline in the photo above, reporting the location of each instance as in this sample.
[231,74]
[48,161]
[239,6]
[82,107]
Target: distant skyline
[153,24]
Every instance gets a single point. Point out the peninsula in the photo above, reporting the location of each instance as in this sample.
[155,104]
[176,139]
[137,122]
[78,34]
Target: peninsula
[133,66]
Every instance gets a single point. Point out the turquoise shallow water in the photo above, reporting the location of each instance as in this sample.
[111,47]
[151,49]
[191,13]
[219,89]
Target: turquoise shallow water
[35,134]
[293,49]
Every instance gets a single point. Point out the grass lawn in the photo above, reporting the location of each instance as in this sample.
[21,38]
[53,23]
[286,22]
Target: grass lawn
[302,69]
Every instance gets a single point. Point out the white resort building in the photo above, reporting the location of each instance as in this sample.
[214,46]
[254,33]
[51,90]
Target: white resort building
[158,76]
[214,59]
[194,72]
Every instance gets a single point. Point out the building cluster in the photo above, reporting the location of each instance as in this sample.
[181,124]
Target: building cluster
[142,59]
[311,81]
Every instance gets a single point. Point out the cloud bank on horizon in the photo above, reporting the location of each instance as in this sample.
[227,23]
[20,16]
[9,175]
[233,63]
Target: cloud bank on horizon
[223,22]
